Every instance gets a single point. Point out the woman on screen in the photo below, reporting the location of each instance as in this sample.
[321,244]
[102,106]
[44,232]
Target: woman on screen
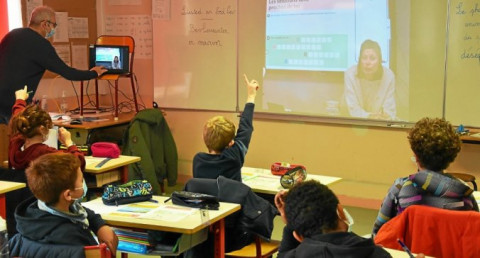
[369,86]
[116,63]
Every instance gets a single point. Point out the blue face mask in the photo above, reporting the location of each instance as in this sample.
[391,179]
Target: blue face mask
[50,34]
[84,187]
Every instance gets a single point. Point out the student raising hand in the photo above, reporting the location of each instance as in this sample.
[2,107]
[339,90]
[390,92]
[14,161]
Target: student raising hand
[252,87]
[22,93]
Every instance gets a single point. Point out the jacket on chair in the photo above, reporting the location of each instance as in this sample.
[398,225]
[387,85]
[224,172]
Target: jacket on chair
[148,137]
[255,218]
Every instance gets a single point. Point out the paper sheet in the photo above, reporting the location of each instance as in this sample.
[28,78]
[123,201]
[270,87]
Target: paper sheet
[92,160]
[79,57]
[161,9]
[32,4]
[61,32]
[137,26]
[63,52]
[78,27]
[169,213]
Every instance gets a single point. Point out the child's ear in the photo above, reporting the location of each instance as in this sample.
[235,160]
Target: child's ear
[297,236]
[230,144]
[67,195]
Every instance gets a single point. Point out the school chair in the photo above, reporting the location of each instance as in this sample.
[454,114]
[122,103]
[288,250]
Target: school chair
[433,231]
[23,247]
[224,189]
[97,251]
[468,178]
[117,41]
[259,249]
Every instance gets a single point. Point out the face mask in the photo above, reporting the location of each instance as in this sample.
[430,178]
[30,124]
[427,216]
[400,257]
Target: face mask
[84,187]
[50,34]
[349,220]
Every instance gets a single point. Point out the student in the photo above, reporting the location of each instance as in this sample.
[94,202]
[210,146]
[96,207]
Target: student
[29,128]
[369,86]
[435,145]
[57,217]
[26,53]
[320,224]
[226,152]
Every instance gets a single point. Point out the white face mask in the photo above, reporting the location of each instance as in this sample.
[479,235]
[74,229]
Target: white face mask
[349,220]
[85,189]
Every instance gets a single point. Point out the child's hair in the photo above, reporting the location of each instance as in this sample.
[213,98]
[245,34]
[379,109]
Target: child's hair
[27,121]
[435,143]
[217,133]
[311,208]
[50,174]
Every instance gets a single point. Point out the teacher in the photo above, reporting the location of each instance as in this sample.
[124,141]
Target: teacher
[369,86]
[25,54]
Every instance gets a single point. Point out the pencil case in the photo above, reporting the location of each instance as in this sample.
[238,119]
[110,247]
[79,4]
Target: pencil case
[133,191]
[105,150]
[280,168]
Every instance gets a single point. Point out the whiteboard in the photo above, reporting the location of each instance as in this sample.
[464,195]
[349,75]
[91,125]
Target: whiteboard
[195,55]
[462,105]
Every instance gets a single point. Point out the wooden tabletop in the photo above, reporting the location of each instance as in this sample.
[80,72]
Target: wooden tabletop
[121,161]
[263,181]
[188,224]
[7,186]
[103,121]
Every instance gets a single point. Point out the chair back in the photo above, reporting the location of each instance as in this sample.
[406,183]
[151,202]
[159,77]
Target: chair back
[119,41]
[202,185]
[228,190]
[97,251]
[467,178]
[433,231]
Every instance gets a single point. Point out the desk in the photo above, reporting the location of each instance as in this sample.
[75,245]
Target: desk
[468,138]
[262,180]
[81,133]
[121,163]
[5,187]
[398,254]
[188,225]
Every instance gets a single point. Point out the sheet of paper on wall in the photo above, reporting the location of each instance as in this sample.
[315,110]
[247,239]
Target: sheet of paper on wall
[32,4]
[137,26]
[161,10]
[78,27]
[124,2]
[79,57]
[61,32]
[63,51]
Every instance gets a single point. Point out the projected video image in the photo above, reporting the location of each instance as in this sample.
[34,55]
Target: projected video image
[332,58]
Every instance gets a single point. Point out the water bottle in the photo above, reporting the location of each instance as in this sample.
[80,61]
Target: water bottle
[4,251]
[43,103]
[64,105]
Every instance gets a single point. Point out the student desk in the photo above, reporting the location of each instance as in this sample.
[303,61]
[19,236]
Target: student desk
[110,168]
[399,254]
[190,224]
[5,187]
[262,180]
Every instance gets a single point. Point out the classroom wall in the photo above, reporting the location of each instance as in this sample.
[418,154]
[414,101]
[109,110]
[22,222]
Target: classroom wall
[365,154]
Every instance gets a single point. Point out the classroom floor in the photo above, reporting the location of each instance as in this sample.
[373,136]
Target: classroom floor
[363,221]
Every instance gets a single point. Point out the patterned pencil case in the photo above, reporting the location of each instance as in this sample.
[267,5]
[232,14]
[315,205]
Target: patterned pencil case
[133,191]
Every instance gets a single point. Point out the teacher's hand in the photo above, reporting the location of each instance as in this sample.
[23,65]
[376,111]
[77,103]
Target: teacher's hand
[99,69]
